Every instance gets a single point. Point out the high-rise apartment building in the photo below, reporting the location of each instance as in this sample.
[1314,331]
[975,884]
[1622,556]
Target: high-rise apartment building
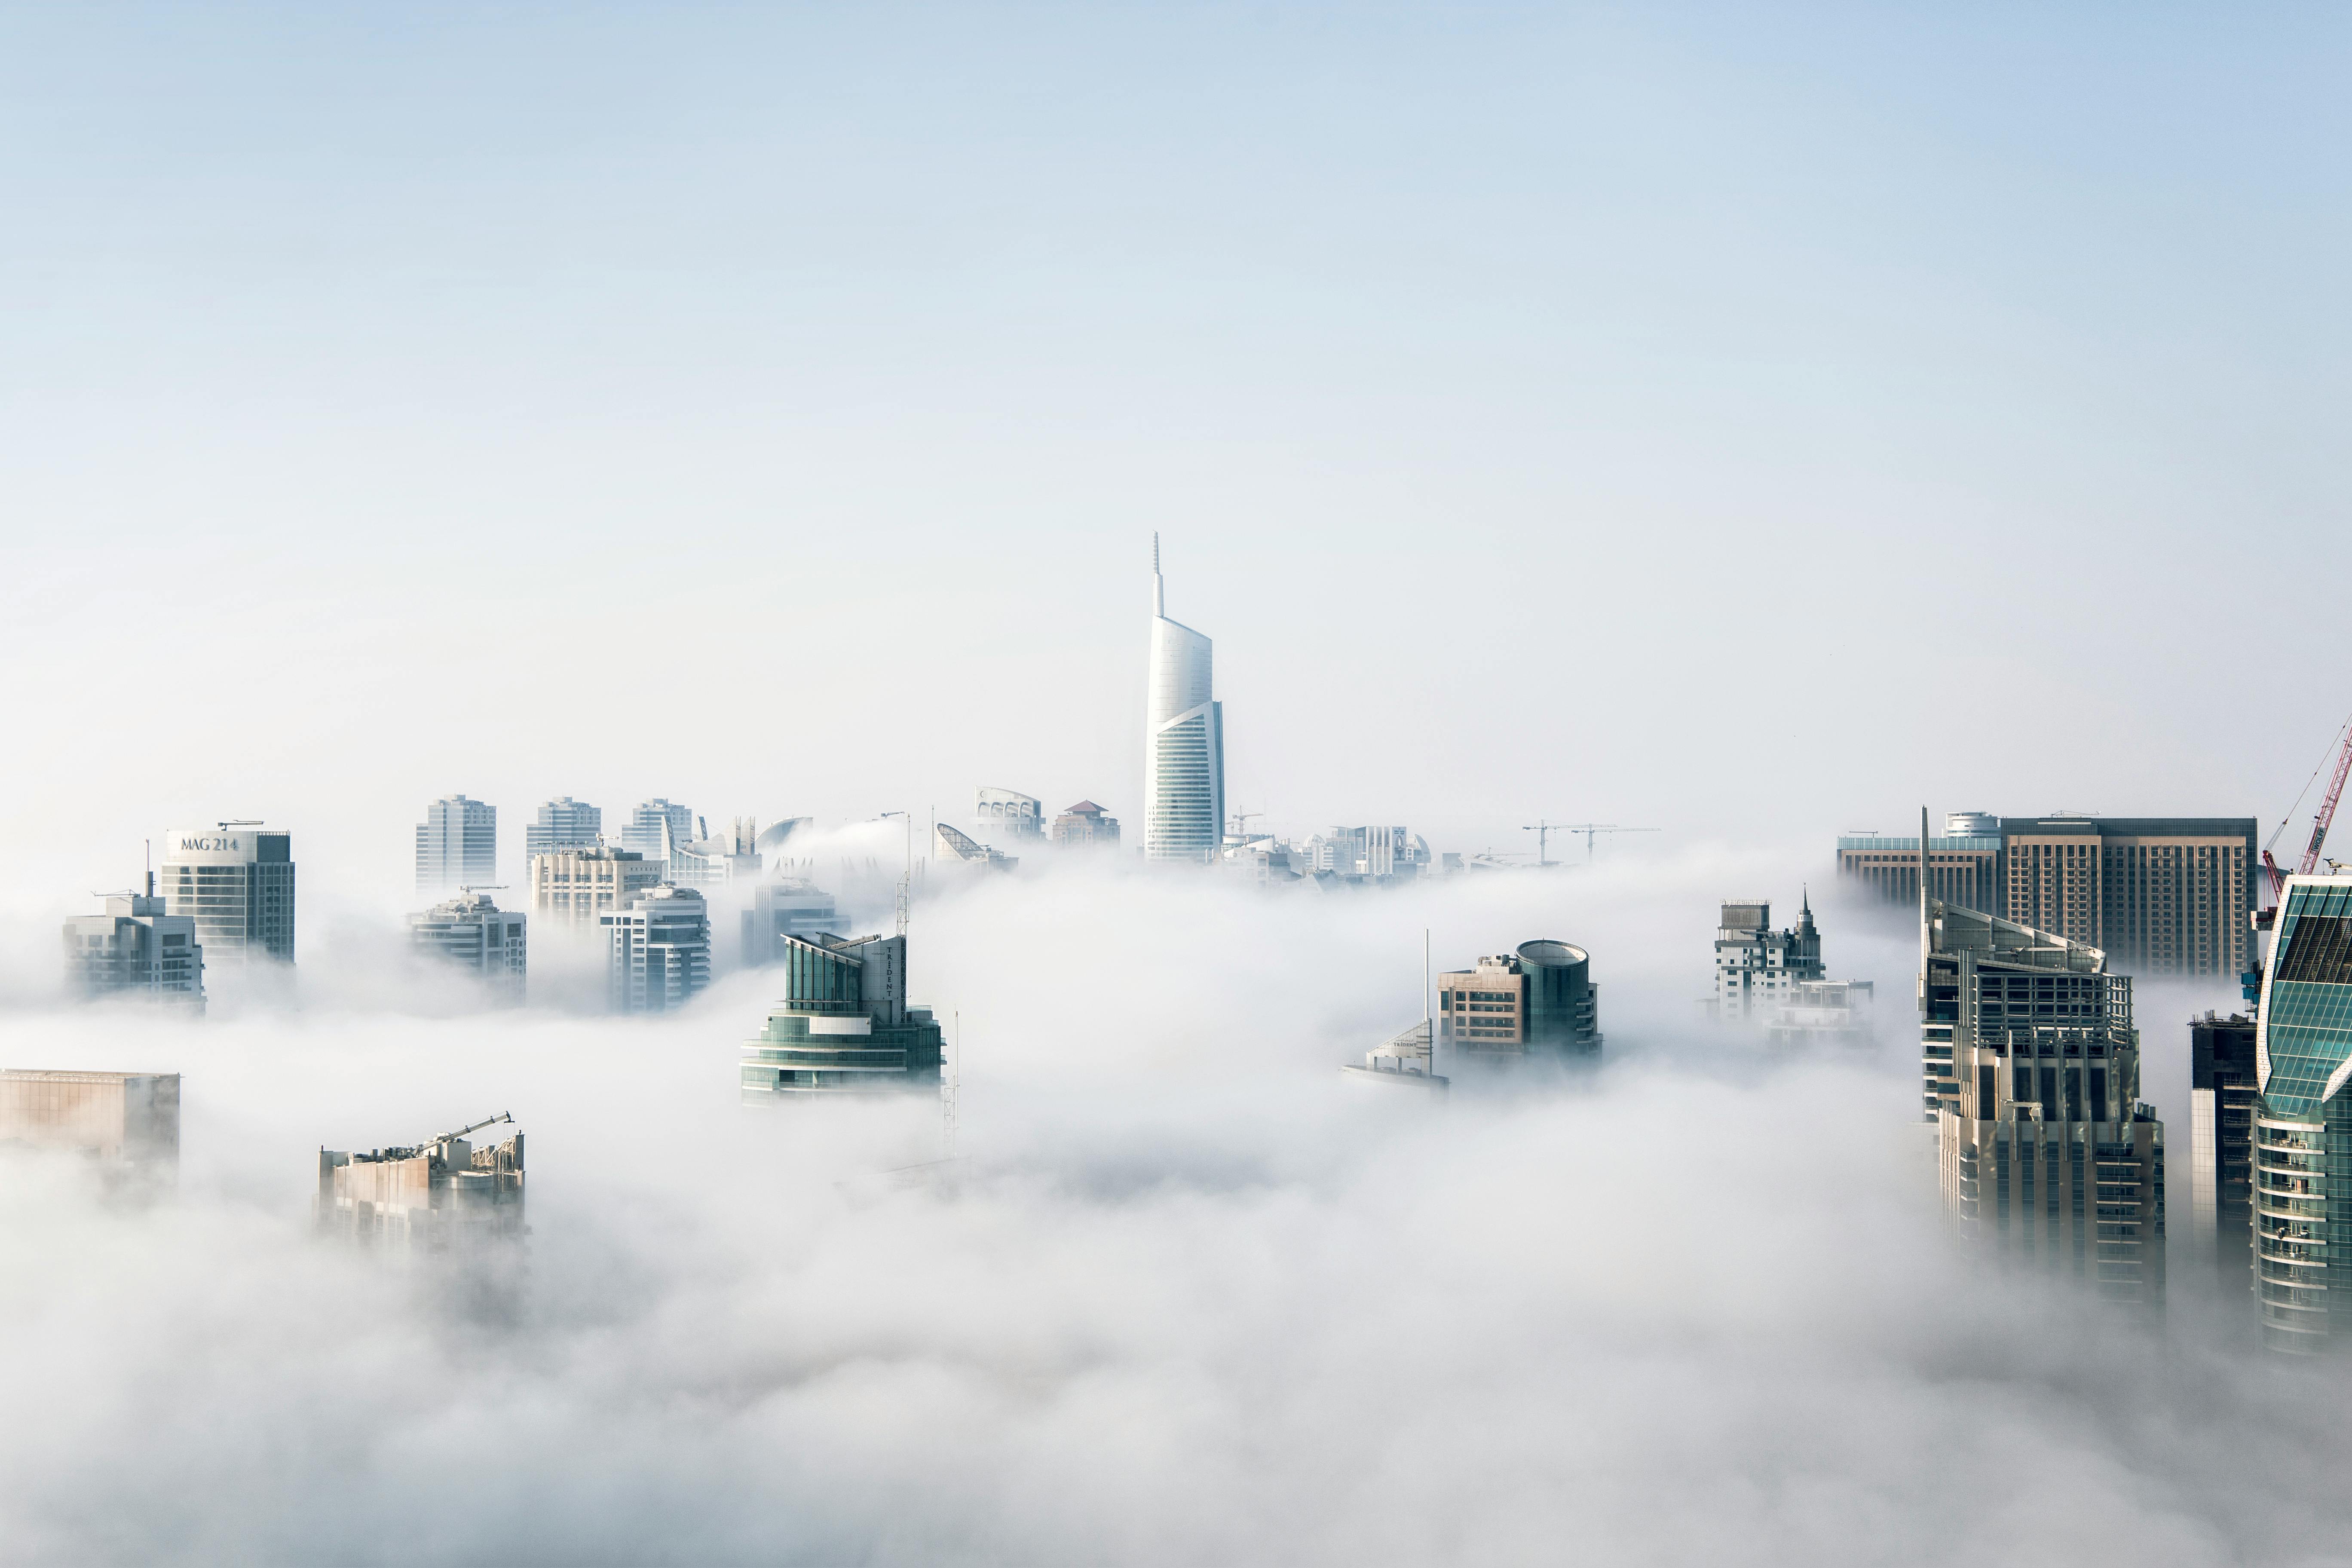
[1537,1003]
[654,826]
[130,1121]
[457,845]
[792,906]
[2303,1122]
[844,1026]
[236,880]
[1008,816]
[1963,867]
[1087,826]
[659,955]
[571,887]
[2043,1151]
[2221,1101]
[563,823]
[472,932]
[1758,968]
[2156,895]
[136,948]
[1185,739]
[440,1196]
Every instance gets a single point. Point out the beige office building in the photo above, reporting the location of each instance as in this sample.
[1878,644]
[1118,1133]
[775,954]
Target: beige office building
[126,1120]
[2156,895]
[571,889]
[435,1196]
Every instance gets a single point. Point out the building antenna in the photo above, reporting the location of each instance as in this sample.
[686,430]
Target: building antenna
[1158,588]
[1427,1027]
[947,1099]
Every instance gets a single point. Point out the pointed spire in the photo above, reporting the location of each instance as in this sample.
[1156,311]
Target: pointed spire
[1158,588]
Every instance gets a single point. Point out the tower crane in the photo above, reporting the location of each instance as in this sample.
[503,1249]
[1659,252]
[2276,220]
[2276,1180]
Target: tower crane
[2319,822]
[1544,830]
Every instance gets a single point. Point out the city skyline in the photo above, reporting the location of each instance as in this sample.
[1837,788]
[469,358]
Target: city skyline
[1009,1085]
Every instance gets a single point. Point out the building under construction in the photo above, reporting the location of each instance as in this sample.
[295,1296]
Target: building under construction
[437,1196]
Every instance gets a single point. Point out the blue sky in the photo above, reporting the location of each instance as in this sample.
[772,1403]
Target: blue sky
[1645,414]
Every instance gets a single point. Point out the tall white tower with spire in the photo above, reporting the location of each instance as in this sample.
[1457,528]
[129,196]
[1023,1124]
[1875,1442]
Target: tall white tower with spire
[1184,740]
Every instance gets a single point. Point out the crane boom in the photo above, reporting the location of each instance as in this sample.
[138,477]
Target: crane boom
[2319,823]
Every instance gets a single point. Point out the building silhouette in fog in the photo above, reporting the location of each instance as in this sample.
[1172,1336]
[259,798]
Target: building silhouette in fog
[1537,1003]
[659,951]
[128,1123]
[563,823]
[236,880]
[1087,826]
[457,845]
[2044,1154]
[2221,1097]
[1756,967]
[134,948]
[572,888]
[472,932]
[845,1026]
[1185,739]
[441,1195]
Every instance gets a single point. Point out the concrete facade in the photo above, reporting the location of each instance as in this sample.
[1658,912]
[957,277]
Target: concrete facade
[127,1121]
[135,949]
[572,889]
[659,954]
[443,1196]
[2044,1154]
[236,880]
[472,932]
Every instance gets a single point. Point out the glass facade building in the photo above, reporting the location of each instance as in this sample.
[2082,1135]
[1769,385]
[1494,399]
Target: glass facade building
[2303,1122]
[1184,741]
[845,1026]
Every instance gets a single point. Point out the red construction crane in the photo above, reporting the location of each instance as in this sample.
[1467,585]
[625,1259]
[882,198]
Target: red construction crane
[2318,824]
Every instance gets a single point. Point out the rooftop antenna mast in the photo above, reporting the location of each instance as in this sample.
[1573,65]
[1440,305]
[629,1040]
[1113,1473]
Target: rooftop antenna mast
[948,1096]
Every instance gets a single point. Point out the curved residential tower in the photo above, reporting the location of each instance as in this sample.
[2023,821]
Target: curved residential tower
[1184,741]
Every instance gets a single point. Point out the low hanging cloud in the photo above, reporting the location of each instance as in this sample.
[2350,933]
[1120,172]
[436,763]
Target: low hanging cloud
[1187,1296]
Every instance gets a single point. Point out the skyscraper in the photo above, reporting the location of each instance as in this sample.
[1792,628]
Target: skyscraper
[2043,1151]
[1537,1003]
[844,1026]
[474,933]
[128,1121]
[236,880]
[2222,1096]
[2303,1122]
[1185,739]
[134,948]
[1758,968]
[2164,895]
[564,824]
[644,831]
[457,845]
[571,887]
[659,958]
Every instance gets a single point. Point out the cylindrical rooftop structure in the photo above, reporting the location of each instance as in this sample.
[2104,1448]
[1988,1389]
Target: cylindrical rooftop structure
[1563,1009]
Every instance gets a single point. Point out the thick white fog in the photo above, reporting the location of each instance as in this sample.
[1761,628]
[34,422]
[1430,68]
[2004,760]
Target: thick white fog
[1186,1297]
